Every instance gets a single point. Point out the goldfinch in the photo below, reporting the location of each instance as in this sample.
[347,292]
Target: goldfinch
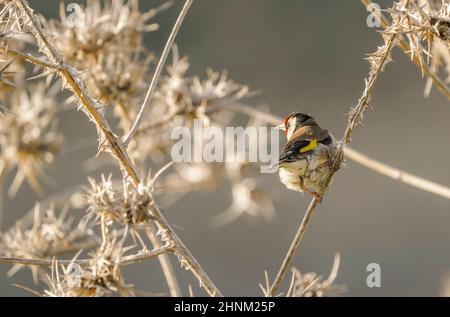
[306,158]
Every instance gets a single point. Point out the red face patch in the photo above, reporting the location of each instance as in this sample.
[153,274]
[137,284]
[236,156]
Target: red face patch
[286,125]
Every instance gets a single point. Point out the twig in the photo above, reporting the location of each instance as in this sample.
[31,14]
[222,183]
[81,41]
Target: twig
[30,58]
[186,258]
[294,247]
[167,267]
[397,174]
[161,122]
[123,261]
[354,121]
[403,44]
[142,257]
[158,71]
[334,269]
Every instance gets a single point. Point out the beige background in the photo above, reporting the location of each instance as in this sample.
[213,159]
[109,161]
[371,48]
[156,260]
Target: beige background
[307,56]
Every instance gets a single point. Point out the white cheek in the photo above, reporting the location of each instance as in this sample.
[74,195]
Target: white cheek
[290,131]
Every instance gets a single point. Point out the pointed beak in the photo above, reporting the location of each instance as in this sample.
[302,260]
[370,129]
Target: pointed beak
[281,127]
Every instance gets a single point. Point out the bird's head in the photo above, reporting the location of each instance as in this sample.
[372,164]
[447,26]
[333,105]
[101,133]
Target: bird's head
[295,121]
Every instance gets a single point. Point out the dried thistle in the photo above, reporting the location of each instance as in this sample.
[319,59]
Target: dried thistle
[11,20]
[310,284]
[12,68]
[248,192]
[101,277]
[183,99]
[29,138]
[101,28]
[104,42]
[426,26]
[6,79]
[50,234]
[189,97]
[118,79]
[314,285]
[128,208]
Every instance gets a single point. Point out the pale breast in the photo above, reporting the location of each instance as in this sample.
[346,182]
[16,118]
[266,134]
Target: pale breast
[309,172]
[291,180]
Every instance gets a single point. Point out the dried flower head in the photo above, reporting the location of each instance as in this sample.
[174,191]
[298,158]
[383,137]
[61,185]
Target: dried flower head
[426,26]
[12,68]
[103,41]
[183,99]
[100,28]
[310,284]
[6,78]
[129,208]
[314,285]
[50,234]
[118,79]
[248,199]
[29,138]
[191,96]
[11,20]
[100,277]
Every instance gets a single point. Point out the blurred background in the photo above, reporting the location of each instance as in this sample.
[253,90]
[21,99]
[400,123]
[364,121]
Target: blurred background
[304,56]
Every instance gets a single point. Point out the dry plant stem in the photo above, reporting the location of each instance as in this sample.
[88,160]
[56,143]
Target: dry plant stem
[127,260]
[89,105]
[403,44]
[354,121]
[356,156]
[118,149]
[399,175]
[31,59]
[159,68]
[166,266]
[184,255]
[161,122]
[294,247]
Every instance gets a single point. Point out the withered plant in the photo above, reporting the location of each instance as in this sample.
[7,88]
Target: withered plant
[100,60]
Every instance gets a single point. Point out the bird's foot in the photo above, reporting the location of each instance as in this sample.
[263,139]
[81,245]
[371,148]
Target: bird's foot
[316,195]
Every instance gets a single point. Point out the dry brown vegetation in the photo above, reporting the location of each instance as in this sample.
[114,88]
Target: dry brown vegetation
[107,71]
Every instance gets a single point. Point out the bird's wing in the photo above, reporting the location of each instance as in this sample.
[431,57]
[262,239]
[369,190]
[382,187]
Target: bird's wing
[295,149]
[303,141]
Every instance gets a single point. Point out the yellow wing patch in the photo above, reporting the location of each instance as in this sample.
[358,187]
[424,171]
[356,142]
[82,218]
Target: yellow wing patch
[311,146]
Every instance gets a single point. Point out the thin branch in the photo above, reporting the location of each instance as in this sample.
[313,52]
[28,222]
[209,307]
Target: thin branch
[294,247]
[142,257]
[334,269]
[158,70]
[160,122]
[127,260]
[30,58]
[167,268]
[354,121]
[398,174]
[403,44]
[186,259]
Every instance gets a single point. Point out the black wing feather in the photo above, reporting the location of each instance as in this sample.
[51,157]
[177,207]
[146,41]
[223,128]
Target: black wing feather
[291,151]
